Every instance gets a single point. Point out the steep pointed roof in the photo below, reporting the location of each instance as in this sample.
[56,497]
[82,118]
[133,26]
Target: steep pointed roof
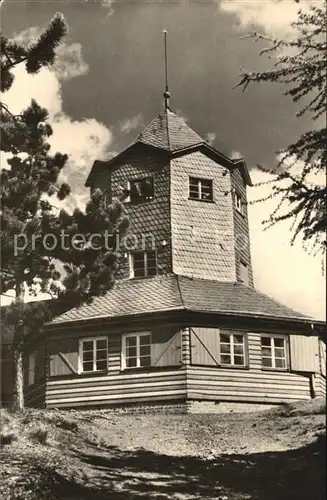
[169,132]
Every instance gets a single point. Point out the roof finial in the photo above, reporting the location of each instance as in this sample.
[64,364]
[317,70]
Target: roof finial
[166,93]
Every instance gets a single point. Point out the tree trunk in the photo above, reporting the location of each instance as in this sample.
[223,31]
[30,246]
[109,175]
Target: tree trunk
[18,389]
[18,344]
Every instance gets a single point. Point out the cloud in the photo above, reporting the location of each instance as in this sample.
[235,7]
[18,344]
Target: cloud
[287,273]
[275,16]
[126,126]
[210,138]
[107,4]
[83,140]
[69,61]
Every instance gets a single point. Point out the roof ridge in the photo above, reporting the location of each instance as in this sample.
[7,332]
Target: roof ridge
[180,290]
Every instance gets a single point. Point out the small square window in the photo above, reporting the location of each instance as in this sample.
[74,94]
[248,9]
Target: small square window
[140,190]
[143,264]
[200,189]
[244,273]
[93,354]
[136,350]
[238,202]
[273,352]
[232,349]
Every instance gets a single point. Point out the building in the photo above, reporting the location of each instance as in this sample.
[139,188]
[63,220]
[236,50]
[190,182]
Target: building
[184,327]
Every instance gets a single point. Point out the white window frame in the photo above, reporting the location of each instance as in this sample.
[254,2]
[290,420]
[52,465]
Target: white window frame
[232,353]
[272,337]
[31,368]
[238,202]
[145,257]
[81,350]
[123,350]
[199,183]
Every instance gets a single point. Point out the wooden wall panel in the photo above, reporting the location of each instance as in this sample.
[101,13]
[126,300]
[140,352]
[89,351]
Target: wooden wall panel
[304,353]
[243,385]
[118,388]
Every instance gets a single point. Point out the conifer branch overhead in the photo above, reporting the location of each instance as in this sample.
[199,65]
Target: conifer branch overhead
[300,68]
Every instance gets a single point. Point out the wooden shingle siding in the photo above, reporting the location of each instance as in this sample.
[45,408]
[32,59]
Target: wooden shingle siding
[241,228]
[150,218]
[202,233]
[115,389]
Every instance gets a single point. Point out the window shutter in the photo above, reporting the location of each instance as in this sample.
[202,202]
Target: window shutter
[167,353]
[322,357]
[304,354]
[205,346]
[63,363]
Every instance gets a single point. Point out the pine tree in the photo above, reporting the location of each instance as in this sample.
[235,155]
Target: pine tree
[300,65]
[72,270]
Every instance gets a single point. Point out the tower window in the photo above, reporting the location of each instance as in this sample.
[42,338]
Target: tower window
[244,273]
[200,189]
[143,264]
[141,190]
[238,203]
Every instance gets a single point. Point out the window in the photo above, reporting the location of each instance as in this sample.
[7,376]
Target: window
[273,352]
[143,264]
[232,349]
[31,368]
[93,354]
[136,350]
[238,203]
[140,190]
[244,273]
[201,189]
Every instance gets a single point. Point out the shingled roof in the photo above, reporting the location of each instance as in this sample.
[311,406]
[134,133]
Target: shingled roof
[169,132]
[168,293]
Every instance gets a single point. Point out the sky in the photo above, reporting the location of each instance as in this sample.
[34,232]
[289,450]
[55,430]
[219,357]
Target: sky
[108,82]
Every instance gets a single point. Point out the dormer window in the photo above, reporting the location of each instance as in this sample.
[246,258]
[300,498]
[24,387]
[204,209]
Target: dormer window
[200,189]
[238,203]
[140,190]
[143,264]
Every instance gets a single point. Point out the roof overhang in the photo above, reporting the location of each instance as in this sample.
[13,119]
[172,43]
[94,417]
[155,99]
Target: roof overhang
[192,317]
[205,148]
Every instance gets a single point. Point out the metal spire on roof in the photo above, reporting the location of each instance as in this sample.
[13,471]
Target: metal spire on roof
[166,93]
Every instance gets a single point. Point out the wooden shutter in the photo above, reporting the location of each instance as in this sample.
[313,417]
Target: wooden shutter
[63,363]
[322,357]
[204,346]
[166,348]
[304,354]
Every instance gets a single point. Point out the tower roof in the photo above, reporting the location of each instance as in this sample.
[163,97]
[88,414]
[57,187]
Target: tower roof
[169,132]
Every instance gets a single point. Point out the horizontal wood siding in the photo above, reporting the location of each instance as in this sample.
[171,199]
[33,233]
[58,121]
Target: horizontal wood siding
[164,380]
[319,385]
[120,388]
[219,384]
[253,384]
